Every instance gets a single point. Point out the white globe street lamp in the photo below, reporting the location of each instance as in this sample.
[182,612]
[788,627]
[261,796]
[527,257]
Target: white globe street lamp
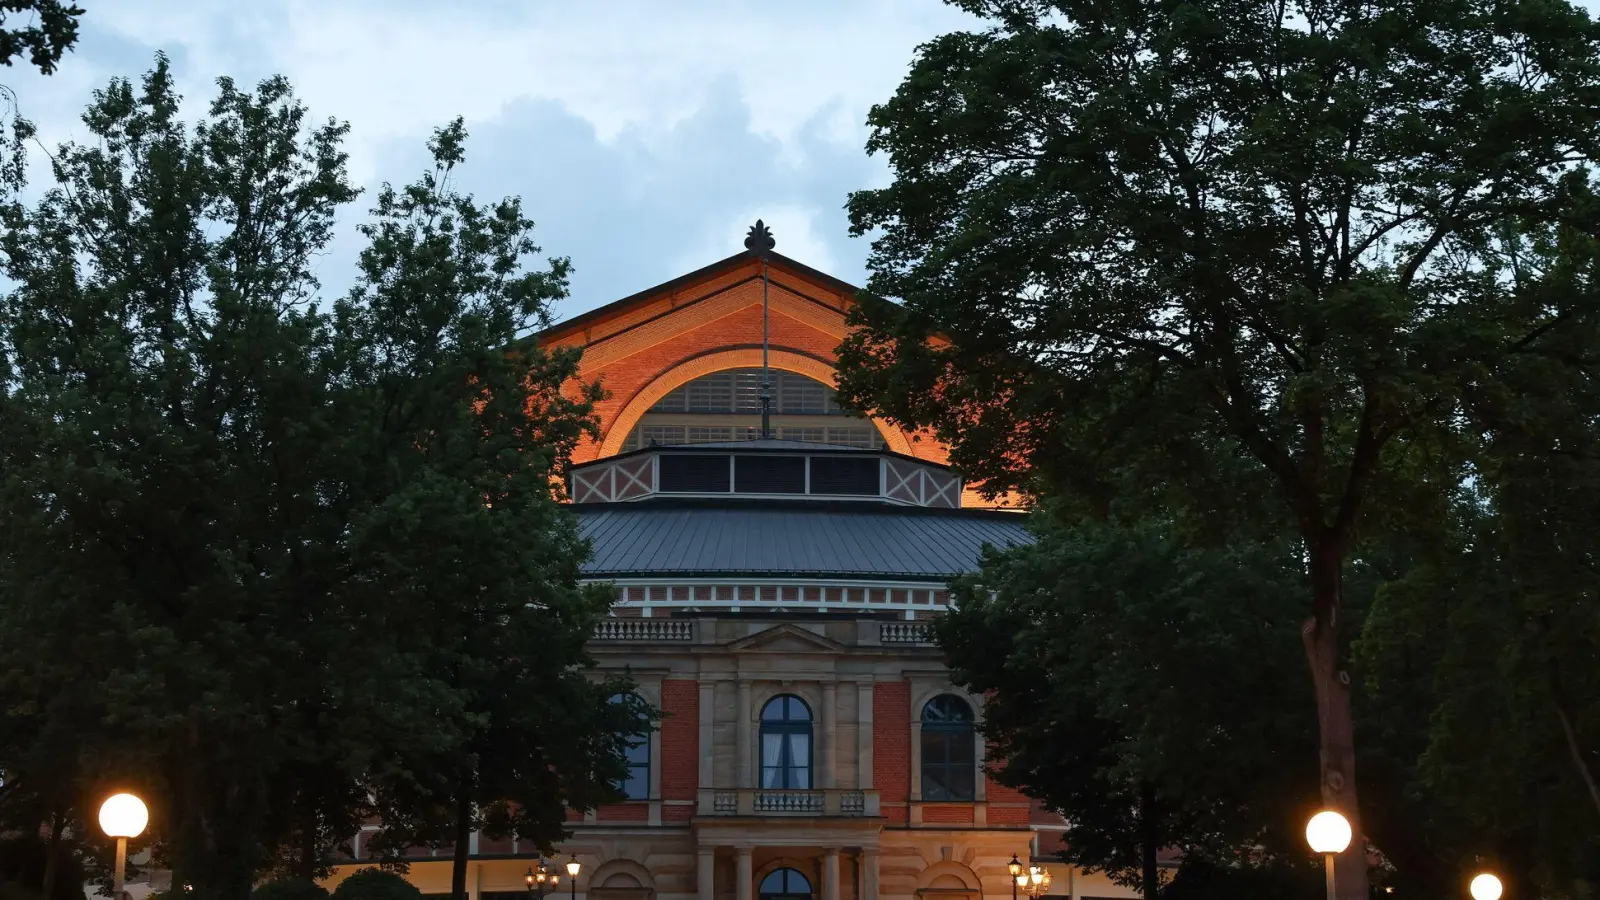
[1486,887]
[1328,833]
[122,816]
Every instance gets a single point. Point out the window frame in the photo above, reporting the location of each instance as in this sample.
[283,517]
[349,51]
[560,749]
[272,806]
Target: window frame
[951,729]
[786,727]
[786,875]
[634,767]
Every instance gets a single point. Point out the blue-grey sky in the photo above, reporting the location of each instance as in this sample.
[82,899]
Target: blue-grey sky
[644,136]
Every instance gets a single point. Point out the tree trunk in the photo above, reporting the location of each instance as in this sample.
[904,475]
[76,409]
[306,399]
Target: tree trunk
[1574,746]
[463,848]
[52,855]
[1150,842]
[1335,724]
[309,857]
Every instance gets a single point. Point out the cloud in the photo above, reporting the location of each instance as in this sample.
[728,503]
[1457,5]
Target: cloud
[644,137]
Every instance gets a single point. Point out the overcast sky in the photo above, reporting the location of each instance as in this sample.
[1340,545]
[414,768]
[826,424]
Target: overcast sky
[644,136]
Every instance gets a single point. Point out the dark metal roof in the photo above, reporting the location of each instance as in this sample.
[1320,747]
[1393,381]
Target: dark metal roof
[774,538]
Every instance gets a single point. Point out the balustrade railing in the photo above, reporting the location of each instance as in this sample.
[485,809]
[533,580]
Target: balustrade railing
[905,633]
[644,630]
[767,802]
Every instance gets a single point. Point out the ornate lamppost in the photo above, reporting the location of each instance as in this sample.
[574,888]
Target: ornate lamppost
[541,880]
[1035,882]
[573,868]
[1015,868]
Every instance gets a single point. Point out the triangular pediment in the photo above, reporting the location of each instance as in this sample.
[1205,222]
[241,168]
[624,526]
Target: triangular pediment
[810,296]
[786,638]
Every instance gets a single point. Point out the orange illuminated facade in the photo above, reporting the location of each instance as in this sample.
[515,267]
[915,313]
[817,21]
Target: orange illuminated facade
[773,599]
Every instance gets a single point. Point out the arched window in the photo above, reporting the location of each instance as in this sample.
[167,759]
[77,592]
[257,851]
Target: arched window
[785,884]
[949,749]
[726,406]
[786,743]
[636,786]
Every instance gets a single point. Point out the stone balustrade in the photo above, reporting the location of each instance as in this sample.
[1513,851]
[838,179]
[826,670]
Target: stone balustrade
[905,633]
[770,802]
[645,630]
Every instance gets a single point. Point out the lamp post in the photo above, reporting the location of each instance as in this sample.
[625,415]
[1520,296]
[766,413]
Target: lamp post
[573,868]
[1328,833]
[541,881]
[1486,886]
[1036,882]
[122,816]
[1015,868]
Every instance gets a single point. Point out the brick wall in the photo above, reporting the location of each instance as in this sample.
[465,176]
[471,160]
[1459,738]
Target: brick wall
[891,747]
[680,739]
[623,812]
[947,814]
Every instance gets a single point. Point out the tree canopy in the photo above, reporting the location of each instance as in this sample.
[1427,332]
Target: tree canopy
[48,32]
[1275,224]
[263,553]
[1136,684]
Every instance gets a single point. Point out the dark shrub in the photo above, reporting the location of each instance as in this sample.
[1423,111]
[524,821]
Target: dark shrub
[376,884]
[289,889]
[22,865]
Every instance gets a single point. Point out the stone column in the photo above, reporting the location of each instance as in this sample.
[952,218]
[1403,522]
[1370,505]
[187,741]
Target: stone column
[706,874]
[830,874]
[830,732]
[744,884]
[869,872]
[744,713]
[864,737]
[708,703]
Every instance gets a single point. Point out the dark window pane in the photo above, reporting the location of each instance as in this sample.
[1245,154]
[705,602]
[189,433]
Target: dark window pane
[770,474]
[693,473]
[844,475]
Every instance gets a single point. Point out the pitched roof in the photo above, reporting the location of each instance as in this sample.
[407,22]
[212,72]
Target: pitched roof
[774,538]
[704,273]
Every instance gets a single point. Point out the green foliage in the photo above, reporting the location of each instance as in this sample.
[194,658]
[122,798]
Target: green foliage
[289,889]
[376,884]
[1482,659]
[1285,233]
[1116,661]
[50,31]
[264,559]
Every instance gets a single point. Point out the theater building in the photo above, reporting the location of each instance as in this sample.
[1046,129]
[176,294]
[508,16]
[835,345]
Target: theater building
[773,595]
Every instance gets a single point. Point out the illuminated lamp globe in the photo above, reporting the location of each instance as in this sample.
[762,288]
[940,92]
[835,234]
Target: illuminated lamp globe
[1486,887]
[123,816]
[1328,832]
[573,866]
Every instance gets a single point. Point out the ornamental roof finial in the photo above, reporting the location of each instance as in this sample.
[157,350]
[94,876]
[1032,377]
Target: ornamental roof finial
[759,241]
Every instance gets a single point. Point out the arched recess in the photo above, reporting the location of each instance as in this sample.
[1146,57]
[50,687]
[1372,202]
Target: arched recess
[621,879]
[948,878]
[742,358]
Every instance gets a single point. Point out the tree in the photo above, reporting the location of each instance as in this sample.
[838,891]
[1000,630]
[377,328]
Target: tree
[45,38]
[440,300]
[1264,218]
[157,510]
[247,542]
[1135,683]
[1483,658]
